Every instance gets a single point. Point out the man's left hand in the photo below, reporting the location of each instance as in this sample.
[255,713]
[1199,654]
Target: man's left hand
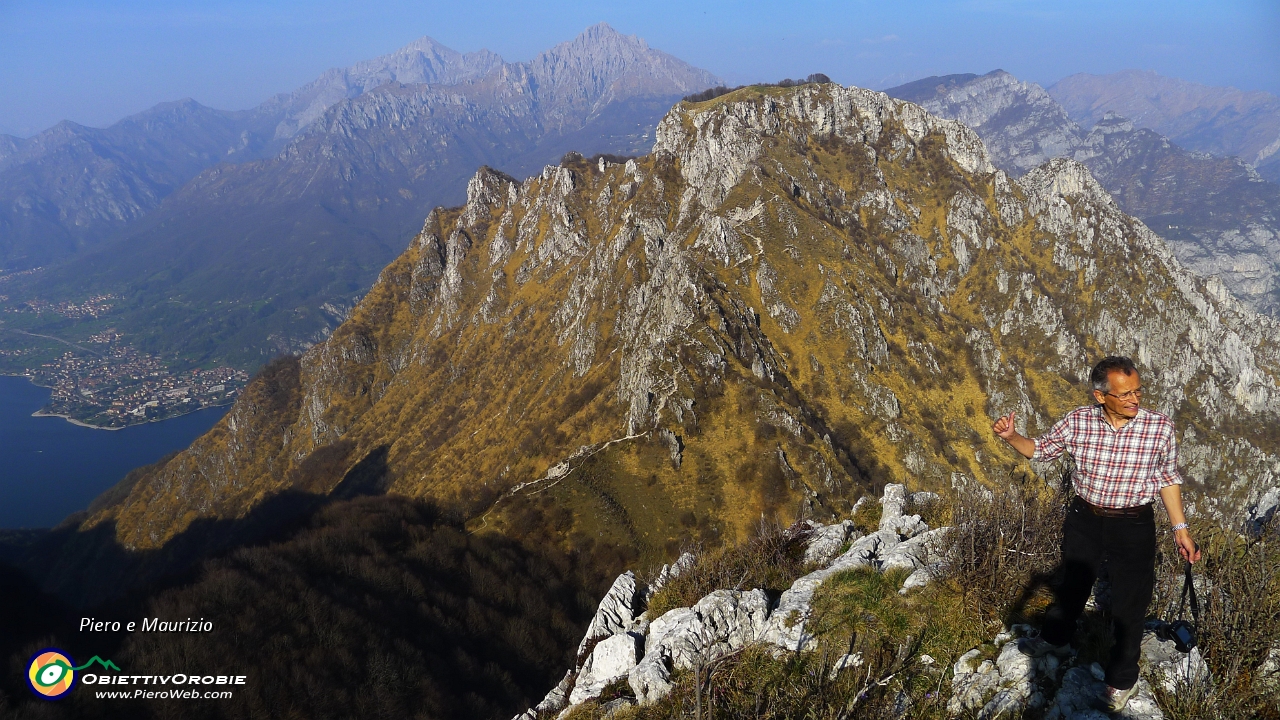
[1186,546]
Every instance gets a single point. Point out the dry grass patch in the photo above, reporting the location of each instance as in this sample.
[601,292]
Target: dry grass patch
[771,558]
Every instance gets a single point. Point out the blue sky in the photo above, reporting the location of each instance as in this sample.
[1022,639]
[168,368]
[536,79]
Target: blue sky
[95,62]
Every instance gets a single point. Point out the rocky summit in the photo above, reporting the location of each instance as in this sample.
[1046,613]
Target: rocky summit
[799,294]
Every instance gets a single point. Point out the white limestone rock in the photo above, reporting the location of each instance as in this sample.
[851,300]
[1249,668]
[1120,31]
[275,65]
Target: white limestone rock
[826,542]
[650,680]
[662,625]
[722,622]
[1081,697]
[553,702]
[969,690]
[922,499]
[922,576]
[1019,679]
[845,662]
[867,550]
[1170,667]
[668,572]
[892,505]
[610,660]
[907,526]
[917,552]
[558,697]
[616,612]
[786,625]
[1264,511]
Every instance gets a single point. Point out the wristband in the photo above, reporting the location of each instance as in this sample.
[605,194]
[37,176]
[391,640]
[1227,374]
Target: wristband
[1179,526]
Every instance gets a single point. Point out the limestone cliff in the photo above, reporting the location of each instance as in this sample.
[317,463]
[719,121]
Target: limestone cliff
[800,293]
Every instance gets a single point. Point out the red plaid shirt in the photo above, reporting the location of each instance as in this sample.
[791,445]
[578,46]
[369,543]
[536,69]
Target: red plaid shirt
[1115,468]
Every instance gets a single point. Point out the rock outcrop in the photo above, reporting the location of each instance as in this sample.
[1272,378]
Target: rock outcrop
[646,651]
[1015,673]
[1029,674]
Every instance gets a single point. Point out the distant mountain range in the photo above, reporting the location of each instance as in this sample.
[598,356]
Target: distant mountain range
[252,259]
[234,236]
[71,186]
[1222,121]
[1221,218]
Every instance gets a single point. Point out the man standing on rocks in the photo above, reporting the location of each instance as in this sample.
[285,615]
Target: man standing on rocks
[1124,457]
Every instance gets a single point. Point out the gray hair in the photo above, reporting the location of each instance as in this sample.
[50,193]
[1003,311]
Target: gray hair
[1100,377]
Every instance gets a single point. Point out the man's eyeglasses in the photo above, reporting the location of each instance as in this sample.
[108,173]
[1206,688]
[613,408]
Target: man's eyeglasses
[1133,394]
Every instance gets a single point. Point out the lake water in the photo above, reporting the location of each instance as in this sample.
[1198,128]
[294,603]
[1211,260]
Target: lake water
[50,468]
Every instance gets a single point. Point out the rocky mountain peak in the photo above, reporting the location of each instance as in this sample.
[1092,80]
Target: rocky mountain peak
[422,61]
[602,65]
[1216,213]
[1113,122]
[1021,123]
[717,142]
[8,146]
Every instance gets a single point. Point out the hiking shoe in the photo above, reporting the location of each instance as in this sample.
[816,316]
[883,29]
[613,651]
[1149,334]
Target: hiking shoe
[1116,699]
[1038,648]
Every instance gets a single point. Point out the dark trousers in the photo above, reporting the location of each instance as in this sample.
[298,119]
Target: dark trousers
[1129,545]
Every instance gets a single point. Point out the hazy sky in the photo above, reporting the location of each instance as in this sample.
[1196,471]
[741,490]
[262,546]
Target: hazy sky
[95,62]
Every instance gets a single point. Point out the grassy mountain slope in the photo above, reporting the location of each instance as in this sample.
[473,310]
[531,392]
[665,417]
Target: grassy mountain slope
[799,294]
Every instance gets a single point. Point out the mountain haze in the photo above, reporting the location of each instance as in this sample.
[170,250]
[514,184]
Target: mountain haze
[423,61]
[1220,217]
[801,293]
[263,257]
[1223,121]
[71,186]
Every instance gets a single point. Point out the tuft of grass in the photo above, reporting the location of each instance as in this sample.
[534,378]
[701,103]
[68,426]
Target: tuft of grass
[863,603]
[771,558]
[1005,547]
[867,519]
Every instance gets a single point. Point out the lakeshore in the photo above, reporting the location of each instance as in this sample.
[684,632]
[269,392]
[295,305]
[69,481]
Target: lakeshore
[53,468]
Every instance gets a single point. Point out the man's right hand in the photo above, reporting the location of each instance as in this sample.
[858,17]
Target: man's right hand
[1005,430]
[1004,427]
